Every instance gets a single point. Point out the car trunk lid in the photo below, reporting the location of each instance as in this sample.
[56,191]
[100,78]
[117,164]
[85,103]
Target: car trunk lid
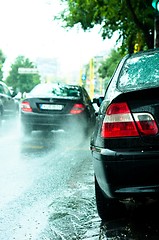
[56,105]
[144,104]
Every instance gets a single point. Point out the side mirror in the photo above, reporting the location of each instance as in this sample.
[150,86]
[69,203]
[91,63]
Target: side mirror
[17,96]
[13,94]
[98,101]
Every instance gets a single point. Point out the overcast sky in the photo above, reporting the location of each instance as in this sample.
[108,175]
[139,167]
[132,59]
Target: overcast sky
[27,28]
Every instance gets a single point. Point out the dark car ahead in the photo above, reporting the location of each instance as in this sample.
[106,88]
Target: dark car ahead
[53,106]
[125,142]
[9,107]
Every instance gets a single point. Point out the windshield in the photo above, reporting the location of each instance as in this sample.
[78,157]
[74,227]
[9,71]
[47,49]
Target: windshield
[140,72]
[56,90]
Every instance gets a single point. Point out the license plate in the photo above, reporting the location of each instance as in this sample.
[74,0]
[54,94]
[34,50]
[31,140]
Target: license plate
[51,107]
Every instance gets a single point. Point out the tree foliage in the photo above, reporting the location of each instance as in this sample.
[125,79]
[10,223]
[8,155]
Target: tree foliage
[134,20]
[22,82]
[108,66]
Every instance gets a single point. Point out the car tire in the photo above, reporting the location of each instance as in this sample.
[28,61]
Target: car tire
[108,209]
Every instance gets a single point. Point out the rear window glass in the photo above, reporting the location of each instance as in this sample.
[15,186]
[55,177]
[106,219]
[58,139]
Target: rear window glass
[56,90]
[140,71]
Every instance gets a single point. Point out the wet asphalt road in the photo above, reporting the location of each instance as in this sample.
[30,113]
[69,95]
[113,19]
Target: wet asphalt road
[47,192]
[47,189]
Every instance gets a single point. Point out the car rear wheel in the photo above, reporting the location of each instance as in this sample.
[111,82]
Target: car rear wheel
[108,209]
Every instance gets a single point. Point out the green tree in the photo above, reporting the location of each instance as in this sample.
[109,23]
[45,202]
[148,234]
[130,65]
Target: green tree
[22,82]
[108,66]
[134,20]
[2,60]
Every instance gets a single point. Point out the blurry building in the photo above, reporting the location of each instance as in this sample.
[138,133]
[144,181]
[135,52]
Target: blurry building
[52,70]
[49,69]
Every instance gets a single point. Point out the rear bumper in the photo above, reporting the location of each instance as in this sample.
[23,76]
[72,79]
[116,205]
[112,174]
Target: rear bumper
[56,121]
[127,174]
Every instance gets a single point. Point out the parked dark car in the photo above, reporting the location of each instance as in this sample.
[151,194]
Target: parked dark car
[9,107]
[125,141]
[54,106]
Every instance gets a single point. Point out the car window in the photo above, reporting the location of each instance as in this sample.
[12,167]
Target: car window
[140,72]
[71,92]
[56,90]
[6,90]
[86,97]
[1,89]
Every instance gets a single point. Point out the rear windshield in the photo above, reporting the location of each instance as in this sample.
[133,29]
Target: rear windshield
[140,71]
[56,90]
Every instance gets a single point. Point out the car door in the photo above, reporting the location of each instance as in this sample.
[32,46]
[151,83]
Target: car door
[8,104]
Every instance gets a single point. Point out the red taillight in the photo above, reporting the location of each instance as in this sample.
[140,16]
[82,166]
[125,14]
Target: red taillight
[146,124]
[25,106]
[118,122]
[77,108]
